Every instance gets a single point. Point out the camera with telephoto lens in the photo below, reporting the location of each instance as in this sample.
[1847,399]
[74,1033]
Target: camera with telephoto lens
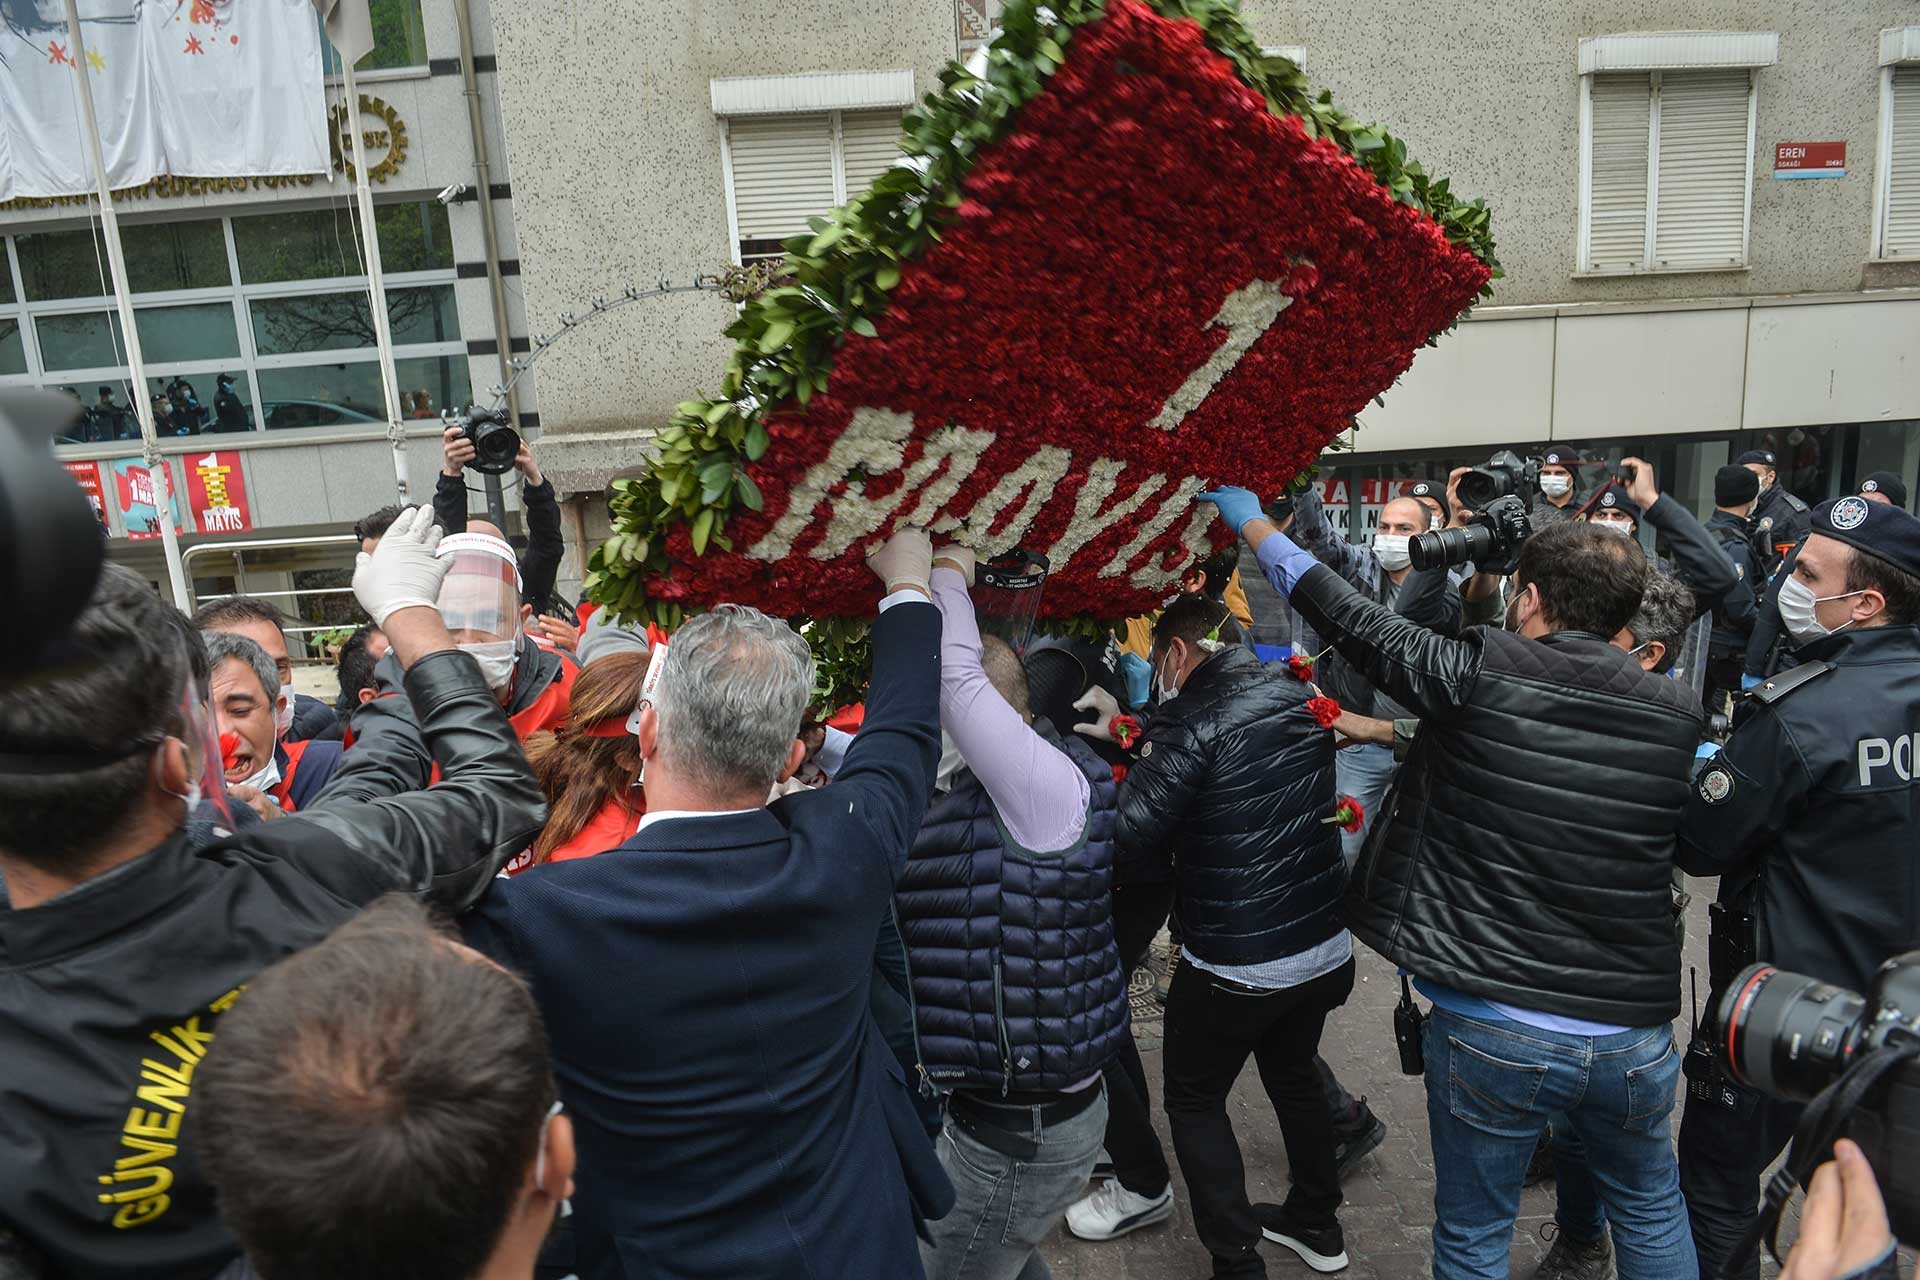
[1800,1039]
[495,443]
[1491,540]
[1506,474]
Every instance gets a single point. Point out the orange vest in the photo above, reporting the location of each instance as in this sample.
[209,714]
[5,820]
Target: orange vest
[549,710]
[608,829]
[281,792]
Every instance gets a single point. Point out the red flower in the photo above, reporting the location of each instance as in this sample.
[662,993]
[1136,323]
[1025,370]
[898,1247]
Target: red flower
[1124,729]
[1302,668]
[1348,816]
[1323,709]
[1145,139]
[1119,774]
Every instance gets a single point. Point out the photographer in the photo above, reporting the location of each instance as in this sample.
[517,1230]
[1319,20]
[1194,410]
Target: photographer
[1542,931]
[123,939]
[1810,818]
[545,545]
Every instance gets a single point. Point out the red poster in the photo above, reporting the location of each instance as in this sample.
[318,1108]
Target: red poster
[216,494]
[87,476]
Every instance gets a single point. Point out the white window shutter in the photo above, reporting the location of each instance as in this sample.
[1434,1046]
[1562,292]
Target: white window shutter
[871,140]
[1617,214]
[1701,200]
[1900,228]
[782,173]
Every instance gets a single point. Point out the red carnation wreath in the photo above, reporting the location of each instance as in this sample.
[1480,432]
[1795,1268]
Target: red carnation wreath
[1167,266]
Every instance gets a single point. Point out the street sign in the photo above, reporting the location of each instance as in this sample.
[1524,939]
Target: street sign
[1810,160]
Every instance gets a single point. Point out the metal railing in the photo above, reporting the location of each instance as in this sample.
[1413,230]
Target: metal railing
[235,549]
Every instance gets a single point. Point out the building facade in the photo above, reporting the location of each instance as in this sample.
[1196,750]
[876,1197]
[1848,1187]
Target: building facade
[1708,211]
[253,315]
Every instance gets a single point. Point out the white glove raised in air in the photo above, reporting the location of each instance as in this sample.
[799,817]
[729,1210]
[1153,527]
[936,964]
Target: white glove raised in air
[402,572]
[1104,707]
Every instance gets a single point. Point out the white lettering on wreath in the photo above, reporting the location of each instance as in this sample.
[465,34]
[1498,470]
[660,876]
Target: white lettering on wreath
[874,445]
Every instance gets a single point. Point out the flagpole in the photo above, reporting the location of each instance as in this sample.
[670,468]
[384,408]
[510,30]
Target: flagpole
[376,283]
[157,468]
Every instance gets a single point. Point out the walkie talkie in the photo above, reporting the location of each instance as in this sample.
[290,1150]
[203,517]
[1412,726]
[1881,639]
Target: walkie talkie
[1705,1081]
[1409,1021]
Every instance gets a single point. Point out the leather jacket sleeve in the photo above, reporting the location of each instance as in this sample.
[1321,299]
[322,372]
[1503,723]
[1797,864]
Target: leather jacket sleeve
[1767,626]
[1161,782]
[1429,599]
[1698,560]
[446,842]
[1416,667]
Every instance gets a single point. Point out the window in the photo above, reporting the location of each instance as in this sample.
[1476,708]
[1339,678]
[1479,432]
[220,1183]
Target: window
[1667,170]
[1897,211]
[783,170]
[399,39]
[250,323]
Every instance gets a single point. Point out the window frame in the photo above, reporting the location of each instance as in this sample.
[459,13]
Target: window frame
[1583,245]
[1883,168]
[375,75]
[237,294]
[837,149]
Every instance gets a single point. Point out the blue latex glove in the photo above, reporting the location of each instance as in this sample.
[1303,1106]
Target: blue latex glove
[1138,674]
[1237,506]
[1749,683]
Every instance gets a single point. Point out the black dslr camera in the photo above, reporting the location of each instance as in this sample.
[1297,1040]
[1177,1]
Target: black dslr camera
[495,443]
[1856,1057]
[1505,475]
[1491,540]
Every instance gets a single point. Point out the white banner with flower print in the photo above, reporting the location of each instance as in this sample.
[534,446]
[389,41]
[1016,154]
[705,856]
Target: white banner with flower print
[187,88]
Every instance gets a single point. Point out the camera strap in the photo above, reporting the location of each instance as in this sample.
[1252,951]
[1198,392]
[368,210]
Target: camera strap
[1825,1120]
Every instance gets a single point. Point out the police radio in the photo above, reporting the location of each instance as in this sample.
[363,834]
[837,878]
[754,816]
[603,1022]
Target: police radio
[1409,1025]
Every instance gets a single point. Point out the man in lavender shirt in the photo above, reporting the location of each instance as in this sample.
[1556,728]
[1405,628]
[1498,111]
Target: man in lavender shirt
[1005,909]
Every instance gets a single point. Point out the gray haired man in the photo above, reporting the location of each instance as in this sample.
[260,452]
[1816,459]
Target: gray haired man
[706,984]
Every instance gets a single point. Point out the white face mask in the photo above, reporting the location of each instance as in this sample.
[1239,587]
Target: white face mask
[1622,527]
[1390,549]
[1556,486]
[496,658]
[283,718]
[265,779]
[1797,603]
[1168,692]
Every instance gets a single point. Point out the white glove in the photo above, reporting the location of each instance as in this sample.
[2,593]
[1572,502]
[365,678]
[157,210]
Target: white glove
[1104,708]
[402,572]
[904,560]
[962,558]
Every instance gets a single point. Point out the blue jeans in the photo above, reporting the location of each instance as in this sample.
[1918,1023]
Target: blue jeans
[1365,773]
[1007,1206]
[1491,1086]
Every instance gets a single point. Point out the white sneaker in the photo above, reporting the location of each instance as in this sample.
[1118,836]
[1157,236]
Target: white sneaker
[1113,1211]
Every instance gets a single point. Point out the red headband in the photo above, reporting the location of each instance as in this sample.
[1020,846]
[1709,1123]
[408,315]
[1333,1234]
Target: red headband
[611,727]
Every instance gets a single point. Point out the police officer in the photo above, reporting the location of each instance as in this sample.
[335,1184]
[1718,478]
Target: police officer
[1734,490]
[1810,816]
[1762,658]
[1556,501]
[1779,518]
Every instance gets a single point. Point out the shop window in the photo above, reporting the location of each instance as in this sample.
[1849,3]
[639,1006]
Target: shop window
[160,256]
[13,348]
[171,335]
[344,321]
[338,395]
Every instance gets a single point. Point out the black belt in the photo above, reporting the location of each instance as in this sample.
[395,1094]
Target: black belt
[1007,1128]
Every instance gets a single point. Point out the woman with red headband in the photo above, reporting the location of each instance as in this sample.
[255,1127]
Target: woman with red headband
[590,767]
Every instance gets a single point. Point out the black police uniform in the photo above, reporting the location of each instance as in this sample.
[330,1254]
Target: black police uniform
[1811,817]
[1733,626]
[1780,520]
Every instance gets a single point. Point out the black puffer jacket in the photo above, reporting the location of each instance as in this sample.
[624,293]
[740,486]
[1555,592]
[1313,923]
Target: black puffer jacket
[1530,845]
[1234,783]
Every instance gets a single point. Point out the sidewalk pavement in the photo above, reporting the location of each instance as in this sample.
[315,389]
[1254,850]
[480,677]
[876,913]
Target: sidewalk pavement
[1388,1215]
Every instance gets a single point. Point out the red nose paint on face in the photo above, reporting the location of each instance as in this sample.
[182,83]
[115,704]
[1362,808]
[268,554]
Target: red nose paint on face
[229,746]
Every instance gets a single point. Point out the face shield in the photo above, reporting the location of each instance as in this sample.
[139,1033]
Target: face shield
[480,598]
[207,787]
[1006,596]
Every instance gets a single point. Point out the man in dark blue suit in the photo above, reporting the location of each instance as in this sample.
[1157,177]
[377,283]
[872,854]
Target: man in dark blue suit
[705,985]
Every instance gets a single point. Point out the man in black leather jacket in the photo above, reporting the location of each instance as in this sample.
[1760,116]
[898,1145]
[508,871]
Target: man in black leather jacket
[1541,928]
[1233,783]
[127,931]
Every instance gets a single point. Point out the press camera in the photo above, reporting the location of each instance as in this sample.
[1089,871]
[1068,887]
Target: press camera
[495,443]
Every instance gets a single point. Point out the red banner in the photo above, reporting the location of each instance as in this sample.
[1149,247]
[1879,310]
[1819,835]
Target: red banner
[216,494]
[87,476]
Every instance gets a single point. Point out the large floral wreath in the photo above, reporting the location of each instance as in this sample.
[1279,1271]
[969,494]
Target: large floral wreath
[1133,258]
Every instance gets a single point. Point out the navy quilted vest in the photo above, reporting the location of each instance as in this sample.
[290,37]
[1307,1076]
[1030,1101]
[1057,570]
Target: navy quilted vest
[1016,979]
